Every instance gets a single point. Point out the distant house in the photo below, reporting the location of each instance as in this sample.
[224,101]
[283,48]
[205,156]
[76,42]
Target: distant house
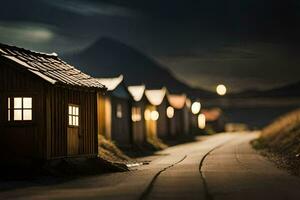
[48,108]
[138,108]
[114,111]
[155,113]
[178,114]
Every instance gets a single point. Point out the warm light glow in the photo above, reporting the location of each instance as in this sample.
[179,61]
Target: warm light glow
[22,109]
[221,90]
[136,114]
[111,83]
[147,114]
[17,102]
[170,112]
[73,115]
[156,97]
[177,101]
[201,121]
[196,106]
[154,115]
[119,111]
[212,114]
[137,91]
[188,103]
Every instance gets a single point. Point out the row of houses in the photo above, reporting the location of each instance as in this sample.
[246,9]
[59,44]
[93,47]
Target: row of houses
[51,110]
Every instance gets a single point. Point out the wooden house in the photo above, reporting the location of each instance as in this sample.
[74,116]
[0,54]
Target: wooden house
[155,113]
[114,111]
[138,108]
[47,107]
[178,114]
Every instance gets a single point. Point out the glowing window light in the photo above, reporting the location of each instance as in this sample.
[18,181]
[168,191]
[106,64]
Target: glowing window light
[196,106]
[147,114]
[201,121]
[136,114]
[119,112]
[170,112]
[20,108]
[73,115]
[221,90]
[154,115]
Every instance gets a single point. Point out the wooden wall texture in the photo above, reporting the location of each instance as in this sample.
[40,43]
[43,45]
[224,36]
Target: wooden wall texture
[45,137]
[139,127]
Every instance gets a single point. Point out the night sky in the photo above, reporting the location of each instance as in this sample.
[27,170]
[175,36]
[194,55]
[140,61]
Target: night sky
[245,44]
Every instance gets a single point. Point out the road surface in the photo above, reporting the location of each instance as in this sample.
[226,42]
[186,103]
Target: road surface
[221,167]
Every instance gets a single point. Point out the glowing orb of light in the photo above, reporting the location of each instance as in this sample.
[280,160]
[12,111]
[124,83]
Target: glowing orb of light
[221,90]
[170,112]
[154,115]
[201,121]
[196,106]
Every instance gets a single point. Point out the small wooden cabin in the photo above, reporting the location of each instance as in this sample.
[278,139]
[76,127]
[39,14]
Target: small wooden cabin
[47,107]
[178,114]
[138,108]
[114,111]
[155,113]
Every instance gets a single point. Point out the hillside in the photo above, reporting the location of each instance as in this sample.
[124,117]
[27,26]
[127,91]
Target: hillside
[281,138]
[108,57]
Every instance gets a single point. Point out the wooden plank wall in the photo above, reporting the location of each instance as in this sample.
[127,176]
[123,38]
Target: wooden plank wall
[18,139]
[120,128]
[138,128]
[60,98]
[162,124]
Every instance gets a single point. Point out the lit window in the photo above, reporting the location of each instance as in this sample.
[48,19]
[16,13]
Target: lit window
[19,109]
[119,111]
[147,114]
[9,110]
[154,115]
[73,115]
[170,112]
[136,114]
[201,121]
[196,107]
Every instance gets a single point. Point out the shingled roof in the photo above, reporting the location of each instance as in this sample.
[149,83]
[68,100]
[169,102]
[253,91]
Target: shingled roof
[49,67]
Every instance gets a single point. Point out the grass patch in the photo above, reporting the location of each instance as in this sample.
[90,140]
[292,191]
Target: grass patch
[156,143]
[109,151]
[281,141]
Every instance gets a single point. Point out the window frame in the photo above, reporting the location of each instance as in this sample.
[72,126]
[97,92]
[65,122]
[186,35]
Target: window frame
[73,115]
[10,110]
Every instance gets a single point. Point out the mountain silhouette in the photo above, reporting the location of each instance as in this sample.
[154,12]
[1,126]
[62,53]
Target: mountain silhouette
[108,57]
[289,90]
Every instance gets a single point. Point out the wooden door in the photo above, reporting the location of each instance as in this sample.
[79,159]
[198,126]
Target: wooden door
[73,140]
[73,130]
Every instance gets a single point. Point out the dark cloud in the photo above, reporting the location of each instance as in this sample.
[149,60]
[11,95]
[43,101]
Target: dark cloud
[246,44]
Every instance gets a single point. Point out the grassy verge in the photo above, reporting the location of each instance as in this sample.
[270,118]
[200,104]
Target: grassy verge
[280,141]
[110,152]
[156,144]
